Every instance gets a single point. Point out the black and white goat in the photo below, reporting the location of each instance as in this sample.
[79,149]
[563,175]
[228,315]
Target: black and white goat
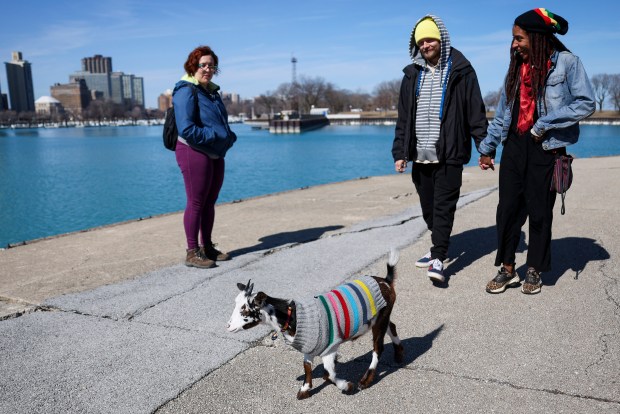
[317,326]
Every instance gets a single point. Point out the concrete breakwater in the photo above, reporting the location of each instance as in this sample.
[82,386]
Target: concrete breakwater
[118,324]
[297,125]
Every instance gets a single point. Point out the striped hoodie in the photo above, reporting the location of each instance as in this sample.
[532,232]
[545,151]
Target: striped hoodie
[430,93]
[333,317]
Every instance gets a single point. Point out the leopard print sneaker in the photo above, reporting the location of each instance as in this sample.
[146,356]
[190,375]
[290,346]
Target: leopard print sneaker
[532,283]
[503,280]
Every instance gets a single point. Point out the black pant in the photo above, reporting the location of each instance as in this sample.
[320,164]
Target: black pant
[525,176]
[439,187]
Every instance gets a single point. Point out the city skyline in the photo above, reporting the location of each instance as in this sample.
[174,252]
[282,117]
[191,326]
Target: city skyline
[354,45]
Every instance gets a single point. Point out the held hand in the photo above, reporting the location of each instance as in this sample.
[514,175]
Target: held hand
[485,162]
[535,137]
[400,166]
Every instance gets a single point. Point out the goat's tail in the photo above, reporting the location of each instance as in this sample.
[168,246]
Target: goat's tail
[393,257]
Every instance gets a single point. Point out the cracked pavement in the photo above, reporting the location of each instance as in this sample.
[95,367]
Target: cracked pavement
[149,335]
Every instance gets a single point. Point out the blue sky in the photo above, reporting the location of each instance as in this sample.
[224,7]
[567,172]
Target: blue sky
[354,44]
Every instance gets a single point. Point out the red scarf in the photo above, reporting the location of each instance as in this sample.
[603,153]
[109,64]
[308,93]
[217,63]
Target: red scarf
[526,100]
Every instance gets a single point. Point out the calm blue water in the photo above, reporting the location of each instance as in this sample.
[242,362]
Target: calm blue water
[55,181]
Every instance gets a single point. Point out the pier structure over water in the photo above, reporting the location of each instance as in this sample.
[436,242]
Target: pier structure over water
[297,125]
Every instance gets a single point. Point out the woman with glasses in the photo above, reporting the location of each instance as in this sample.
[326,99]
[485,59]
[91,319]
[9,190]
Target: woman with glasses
[204,139]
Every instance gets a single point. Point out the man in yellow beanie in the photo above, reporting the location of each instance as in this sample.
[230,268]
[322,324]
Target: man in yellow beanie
[440,110]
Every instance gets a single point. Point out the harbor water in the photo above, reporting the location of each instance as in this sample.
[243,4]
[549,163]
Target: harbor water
[60,180]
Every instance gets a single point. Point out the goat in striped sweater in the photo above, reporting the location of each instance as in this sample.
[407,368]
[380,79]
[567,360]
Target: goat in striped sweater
[317,326]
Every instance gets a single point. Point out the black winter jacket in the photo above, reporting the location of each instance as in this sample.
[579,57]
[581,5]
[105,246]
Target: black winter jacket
[464,115]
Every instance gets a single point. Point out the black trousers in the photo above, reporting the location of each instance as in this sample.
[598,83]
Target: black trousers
[525,174]
[439,188]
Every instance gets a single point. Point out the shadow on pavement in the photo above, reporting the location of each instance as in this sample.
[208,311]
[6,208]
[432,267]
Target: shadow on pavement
[280,239]
[470,246]
[569,253]
[355,369]
[572,253]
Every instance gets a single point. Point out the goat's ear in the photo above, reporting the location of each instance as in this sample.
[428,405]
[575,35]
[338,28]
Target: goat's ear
[246,288]
[260,299]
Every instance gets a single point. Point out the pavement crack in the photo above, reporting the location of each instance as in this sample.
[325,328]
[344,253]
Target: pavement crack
[510,384]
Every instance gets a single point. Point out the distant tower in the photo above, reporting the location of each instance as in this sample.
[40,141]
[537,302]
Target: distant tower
[294,63]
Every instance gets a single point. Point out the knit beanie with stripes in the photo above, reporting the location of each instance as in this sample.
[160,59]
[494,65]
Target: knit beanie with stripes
[542,21]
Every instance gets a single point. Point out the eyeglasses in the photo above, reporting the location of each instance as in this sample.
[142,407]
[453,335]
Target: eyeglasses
[204,66]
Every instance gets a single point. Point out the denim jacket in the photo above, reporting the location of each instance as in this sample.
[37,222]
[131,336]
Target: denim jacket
[569,98]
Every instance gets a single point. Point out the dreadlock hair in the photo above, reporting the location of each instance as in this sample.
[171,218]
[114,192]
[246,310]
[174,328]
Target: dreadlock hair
[542,46]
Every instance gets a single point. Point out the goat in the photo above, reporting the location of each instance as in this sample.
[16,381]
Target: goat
[317,326]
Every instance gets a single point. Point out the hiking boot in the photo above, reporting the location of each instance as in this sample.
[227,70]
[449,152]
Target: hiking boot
[214,254]
[435,271]
[532,283]
[424,261]
[503,280]
[196,258]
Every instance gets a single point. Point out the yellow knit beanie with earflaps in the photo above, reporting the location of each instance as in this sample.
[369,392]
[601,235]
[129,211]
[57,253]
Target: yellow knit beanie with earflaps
[427,29]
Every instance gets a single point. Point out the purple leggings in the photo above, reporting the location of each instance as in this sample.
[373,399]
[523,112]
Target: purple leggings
[203,177]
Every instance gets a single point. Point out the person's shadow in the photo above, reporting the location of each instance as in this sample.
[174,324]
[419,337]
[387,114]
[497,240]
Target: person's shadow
[469,246]
[354,370]
[572,253]
[280,239]
[569,253]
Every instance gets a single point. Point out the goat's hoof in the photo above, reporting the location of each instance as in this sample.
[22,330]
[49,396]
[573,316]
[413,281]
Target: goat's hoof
[302,395]
[326,378]
[350,389]
[366,380]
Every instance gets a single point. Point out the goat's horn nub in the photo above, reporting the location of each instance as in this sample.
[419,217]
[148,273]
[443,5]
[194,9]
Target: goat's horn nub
[248,288]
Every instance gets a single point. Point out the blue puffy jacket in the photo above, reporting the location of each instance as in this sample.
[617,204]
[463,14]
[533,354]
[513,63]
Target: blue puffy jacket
[210,132]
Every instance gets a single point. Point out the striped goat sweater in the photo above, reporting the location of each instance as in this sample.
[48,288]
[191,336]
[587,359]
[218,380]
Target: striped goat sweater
[333,317]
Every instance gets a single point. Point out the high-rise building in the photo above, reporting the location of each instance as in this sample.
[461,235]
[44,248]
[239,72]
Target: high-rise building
[97,64]
[74,97]
[165,100]
[94,81]
[19,78]
[127,80]
[133,89]
[116,87]
[138,90]
[120,88]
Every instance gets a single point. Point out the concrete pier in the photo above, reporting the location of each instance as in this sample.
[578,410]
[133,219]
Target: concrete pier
[111,321]
[297,125]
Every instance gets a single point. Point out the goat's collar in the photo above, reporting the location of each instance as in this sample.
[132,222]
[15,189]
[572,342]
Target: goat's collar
[288,320]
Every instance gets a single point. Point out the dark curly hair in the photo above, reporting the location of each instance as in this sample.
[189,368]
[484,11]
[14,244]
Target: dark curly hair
[191,64]
[542,46]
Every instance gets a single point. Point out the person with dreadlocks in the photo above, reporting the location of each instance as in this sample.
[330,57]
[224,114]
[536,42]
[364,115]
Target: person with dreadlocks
[546,93]
[440,112]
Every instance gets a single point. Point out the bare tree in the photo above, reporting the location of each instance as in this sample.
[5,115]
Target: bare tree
[360,100]
[600,83]
[386,95]
[267,103]
[287,96]
[614,89]
[311,91]
[335,99]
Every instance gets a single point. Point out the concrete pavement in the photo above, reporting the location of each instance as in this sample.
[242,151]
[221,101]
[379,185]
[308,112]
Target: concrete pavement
[109,320]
